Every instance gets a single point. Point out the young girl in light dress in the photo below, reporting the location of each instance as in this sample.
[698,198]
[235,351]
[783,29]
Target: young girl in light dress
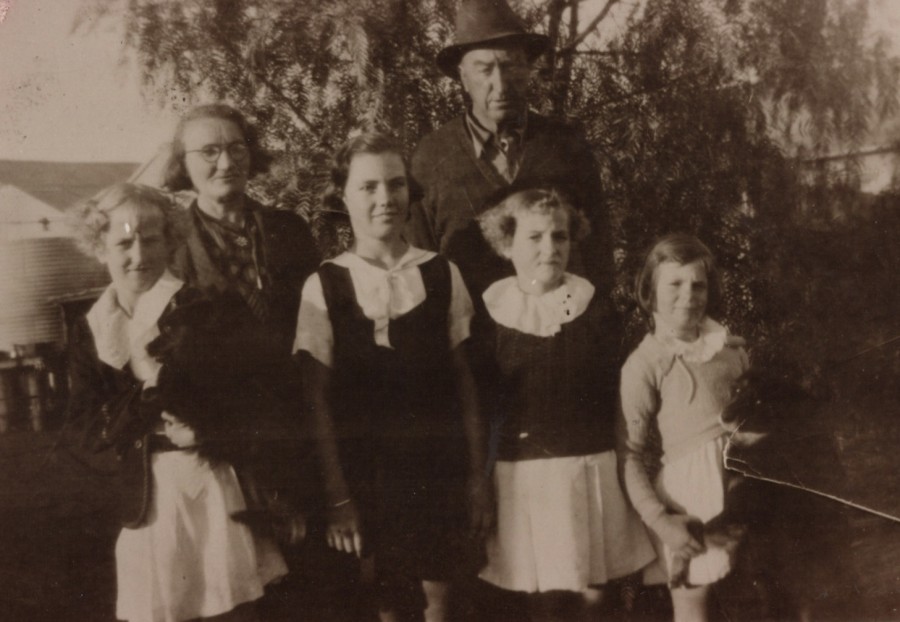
[391,395]
[563,523]
[180,555]
[679,380]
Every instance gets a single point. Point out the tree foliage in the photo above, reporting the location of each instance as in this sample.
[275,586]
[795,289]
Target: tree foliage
[702,114]
[307,73]
[700,111]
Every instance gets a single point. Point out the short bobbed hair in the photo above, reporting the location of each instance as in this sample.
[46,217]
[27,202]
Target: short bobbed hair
[374,143]
[175,175]
[90,219]
[498,224]
[682,249]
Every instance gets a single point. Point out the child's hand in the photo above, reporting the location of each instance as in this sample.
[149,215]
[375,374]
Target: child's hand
[181,434]
[344,533]
[678,532]
[481,505]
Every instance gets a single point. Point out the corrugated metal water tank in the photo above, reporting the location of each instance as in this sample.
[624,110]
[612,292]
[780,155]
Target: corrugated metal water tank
[33,271]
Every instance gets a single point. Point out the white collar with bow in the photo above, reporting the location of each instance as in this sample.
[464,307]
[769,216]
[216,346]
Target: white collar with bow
[386,294]
[712,339]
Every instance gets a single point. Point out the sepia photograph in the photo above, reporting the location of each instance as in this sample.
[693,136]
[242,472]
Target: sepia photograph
[449,310]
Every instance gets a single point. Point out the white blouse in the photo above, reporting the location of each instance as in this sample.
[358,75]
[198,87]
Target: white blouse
[383,295]
[121,339]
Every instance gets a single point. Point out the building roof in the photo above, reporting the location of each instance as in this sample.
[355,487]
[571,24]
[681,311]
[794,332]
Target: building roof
[62,184]
[22,216]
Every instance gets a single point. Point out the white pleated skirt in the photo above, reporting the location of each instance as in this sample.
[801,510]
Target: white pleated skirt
[191,559]
[563,524]
[694,484]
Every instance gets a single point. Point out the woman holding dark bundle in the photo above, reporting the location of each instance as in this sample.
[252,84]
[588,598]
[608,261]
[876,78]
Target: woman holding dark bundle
[145,385]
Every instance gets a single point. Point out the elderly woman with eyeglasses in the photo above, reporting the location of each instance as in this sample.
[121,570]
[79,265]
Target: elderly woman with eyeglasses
[235,243]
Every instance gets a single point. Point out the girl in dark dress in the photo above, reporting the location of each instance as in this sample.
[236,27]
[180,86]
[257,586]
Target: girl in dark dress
[563,524]
[390,392]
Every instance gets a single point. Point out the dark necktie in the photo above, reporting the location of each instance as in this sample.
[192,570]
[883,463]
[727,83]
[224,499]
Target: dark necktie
[502,151]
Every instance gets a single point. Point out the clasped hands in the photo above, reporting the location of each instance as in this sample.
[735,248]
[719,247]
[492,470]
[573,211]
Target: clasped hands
[683,534]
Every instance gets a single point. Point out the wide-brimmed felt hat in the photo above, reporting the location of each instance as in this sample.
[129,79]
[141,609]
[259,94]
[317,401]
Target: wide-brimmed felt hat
[483,23]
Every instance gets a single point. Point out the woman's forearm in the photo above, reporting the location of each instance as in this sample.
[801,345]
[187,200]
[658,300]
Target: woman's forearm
[316,381]
[472,423]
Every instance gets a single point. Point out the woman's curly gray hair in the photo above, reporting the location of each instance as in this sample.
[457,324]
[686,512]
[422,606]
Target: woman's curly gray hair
[498,224]
[90,219]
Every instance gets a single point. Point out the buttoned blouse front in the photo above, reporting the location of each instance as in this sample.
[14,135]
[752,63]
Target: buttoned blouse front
[555,355]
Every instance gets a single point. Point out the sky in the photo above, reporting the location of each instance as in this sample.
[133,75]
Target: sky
[67,96]
[64,95]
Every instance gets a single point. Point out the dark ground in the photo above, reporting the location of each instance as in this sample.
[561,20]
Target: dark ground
[56,555]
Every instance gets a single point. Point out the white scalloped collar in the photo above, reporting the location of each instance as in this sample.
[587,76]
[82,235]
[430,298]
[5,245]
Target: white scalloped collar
[541,315]
[713,338]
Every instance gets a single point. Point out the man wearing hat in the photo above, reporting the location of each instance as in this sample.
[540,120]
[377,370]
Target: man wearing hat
[498,146]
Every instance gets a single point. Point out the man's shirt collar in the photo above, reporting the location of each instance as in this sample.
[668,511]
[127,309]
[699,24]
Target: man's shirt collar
[481,136]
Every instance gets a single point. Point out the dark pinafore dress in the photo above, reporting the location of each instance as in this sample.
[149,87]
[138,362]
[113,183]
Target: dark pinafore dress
[399,426]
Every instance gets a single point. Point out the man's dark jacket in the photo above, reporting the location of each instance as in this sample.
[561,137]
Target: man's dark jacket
[456,186]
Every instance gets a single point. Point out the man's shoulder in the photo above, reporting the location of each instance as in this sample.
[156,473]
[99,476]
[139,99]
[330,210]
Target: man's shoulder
[434,147]
[554,125]
[451,128]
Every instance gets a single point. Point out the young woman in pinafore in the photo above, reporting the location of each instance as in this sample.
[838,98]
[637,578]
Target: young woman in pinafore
[391,395]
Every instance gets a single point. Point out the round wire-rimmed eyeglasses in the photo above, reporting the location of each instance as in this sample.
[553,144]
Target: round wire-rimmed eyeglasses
[237,151]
